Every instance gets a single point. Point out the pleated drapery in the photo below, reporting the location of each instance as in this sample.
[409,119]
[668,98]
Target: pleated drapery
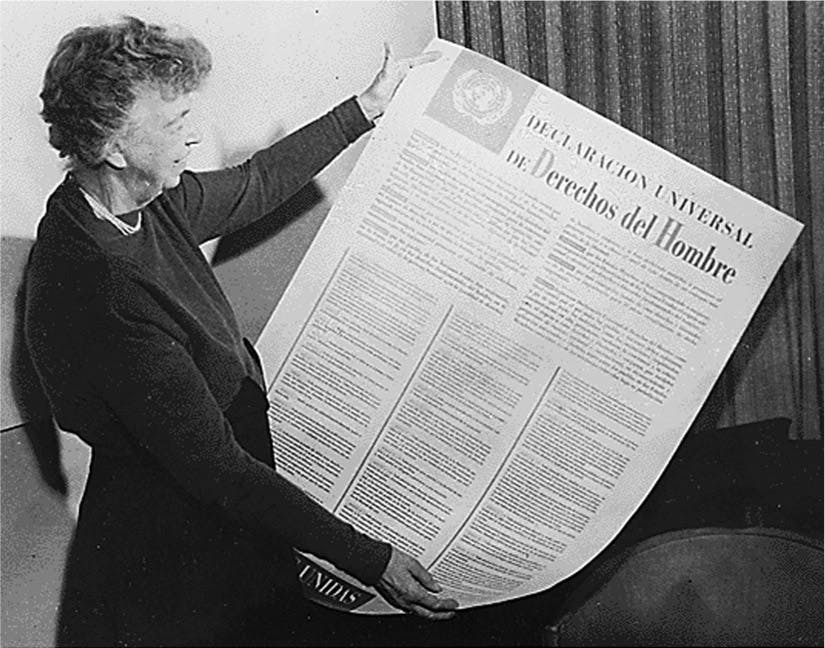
[734,88]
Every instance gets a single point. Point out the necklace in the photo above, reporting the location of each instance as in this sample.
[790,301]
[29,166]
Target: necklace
[104,214]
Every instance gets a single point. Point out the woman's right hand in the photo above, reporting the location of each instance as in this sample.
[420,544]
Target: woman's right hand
[406,585]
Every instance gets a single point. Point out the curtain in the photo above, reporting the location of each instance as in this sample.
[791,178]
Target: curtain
[734,88]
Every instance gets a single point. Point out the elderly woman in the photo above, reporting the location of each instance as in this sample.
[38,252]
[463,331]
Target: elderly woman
[186,530]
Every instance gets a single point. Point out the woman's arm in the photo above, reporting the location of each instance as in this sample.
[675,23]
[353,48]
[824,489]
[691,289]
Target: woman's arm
[220,202]
[148,379]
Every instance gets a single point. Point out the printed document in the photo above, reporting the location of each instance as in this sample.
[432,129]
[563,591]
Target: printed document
[503,330]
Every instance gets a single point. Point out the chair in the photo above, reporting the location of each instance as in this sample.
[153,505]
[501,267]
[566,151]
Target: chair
[700,587]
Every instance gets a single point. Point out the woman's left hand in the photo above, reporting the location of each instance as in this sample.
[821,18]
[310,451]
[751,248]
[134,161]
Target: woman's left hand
[376,97]
[405,584]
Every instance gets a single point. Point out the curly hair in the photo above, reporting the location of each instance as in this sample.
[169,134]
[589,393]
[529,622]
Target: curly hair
[91,81]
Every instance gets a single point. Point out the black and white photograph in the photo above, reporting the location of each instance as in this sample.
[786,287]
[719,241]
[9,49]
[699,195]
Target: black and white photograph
[411,323]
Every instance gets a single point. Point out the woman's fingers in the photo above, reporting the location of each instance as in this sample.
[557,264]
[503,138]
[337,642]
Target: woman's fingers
[435,604]
[424,577]
[431,614]
[426,57]
[405,584]
[376,97]
[429,607]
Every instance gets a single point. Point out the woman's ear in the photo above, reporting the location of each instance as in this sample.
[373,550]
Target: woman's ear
[113,155]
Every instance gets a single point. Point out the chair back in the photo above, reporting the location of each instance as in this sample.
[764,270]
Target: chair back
[701,587]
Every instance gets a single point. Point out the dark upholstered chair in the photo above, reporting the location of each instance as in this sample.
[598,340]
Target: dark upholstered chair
[700,587]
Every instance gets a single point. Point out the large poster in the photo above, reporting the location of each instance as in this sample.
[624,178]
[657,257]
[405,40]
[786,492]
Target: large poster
[503,330]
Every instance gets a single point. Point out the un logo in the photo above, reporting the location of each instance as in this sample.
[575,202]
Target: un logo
[482,97]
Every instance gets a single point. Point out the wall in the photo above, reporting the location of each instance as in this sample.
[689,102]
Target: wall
[276,66]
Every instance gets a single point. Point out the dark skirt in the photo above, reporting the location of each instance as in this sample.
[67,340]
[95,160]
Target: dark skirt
[149,565]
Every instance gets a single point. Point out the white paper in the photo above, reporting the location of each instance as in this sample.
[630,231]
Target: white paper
[503,330]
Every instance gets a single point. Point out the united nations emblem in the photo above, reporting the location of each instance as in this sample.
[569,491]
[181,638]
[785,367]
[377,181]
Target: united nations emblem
[481,96]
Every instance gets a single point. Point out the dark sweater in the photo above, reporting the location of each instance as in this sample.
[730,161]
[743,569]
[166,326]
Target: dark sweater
[140,353]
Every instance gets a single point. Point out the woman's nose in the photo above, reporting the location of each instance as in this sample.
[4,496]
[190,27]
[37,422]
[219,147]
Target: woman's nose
[195,136]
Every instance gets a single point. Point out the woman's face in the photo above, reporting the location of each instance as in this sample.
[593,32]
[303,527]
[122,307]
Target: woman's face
[156,143]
